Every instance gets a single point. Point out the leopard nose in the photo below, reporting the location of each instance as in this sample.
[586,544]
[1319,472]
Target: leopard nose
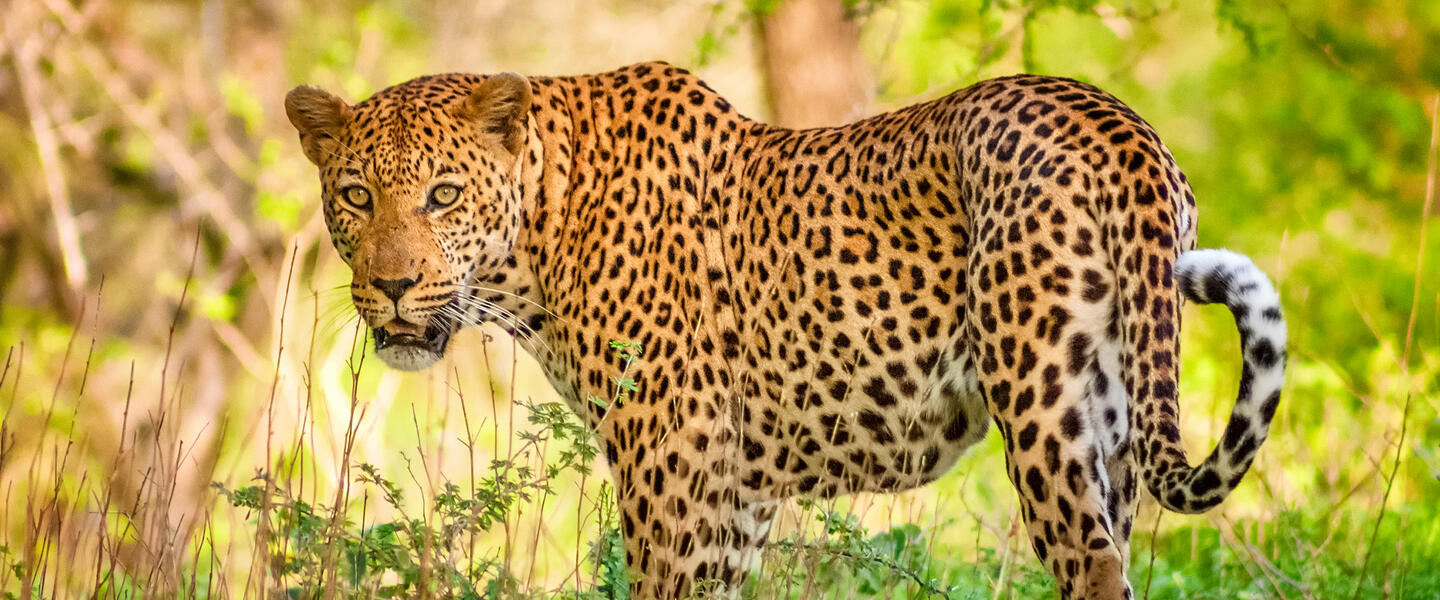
[393,288]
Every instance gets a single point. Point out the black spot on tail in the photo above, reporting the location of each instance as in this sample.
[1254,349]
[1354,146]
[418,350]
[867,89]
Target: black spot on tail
[1177,499]
[1267,410]
[1206,483]
[1236,430]
[1216,286]
[1264,354]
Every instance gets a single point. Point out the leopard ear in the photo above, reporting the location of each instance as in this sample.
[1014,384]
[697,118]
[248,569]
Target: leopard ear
[499,106]
[320,117]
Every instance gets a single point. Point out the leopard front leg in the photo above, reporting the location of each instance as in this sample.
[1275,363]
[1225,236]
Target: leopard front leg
[687,530]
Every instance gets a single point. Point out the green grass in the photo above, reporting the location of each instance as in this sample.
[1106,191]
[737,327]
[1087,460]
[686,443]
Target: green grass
[398,533]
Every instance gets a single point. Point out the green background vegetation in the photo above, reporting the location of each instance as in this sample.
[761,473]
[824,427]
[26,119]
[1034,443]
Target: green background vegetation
[171,314]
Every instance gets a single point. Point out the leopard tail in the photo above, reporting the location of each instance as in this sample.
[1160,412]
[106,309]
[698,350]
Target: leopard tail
[1206,277]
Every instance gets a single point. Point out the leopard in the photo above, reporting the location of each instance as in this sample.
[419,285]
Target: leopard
[822,311]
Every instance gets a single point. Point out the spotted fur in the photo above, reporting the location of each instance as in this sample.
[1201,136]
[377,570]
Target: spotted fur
[823,311]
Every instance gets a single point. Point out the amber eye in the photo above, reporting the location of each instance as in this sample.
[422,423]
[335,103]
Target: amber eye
[443,196]
[357,197]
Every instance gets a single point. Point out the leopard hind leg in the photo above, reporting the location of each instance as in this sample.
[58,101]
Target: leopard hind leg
[1039,356]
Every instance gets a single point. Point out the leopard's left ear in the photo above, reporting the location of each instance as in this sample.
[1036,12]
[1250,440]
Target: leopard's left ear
[320,117]
[499,106]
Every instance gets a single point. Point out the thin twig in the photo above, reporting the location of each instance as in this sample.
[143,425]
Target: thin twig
[1154,533]
[29,77]
[1430,176]
[1385,498]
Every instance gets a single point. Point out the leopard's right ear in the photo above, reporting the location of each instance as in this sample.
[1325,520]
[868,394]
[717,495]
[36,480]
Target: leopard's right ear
[499,107]
[320,117]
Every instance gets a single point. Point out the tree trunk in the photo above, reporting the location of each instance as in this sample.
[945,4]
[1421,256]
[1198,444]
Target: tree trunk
[815,74]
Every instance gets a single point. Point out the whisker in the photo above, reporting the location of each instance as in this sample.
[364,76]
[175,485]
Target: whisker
[518,325]
[332,316]
[512,295]
[354,156]
[459,316]
[526,339]
[464,314]
[500,314]
[339,322]
[515,325]
[327,292]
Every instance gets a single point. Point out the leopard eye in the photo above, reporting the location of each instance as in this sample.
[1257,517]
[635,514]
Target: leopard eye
[443,196]
[357,197]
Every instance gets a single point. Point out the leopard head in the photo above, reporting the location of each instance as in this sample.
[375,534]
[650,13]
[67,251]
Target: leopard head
[421,193]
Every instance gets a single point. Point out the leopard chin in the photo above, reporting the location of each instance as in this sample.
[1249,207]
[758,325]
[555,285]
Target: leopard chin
[409,358]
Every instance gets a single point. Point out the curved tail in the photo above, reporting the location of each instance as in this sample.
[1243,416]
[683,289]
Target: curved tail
[1216,277]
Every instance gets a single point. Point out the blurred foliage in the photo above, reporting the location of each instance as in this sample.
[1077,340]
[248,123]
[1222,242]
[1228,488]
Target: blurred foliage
[1304,127]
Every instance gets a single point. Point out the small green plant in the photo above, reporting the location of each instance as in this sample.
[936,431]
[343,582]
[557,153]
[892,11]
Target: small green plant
[320,551]
[13,564]
[607,554]
[628,353]
[315,548]
[848,556]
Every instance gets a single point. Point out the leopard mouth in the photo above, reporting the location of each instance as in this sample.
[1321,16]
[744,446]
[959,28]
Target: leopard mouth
[433,338]
[409,347]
